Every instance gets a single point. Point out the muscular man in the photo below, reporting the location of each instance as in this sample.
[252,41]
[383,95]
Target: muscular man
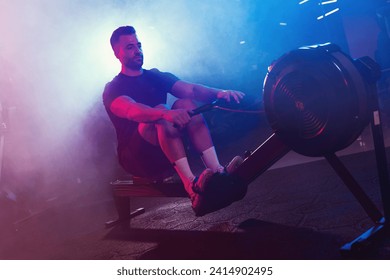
[149,133]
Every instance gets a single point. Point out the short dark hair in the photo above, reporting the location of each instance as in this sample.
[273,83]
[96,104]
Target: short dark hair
[123,30]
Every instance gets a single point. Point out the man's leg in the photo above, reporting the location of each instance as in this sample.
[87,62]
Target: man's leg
[200,137]
[169,139]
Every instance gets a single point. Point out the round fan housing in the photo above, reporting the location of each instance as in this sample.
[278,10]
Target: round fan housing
[316,99]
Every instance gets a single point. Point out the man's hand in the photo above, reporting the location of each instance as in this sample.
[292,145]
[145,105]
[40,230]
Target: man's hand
[229,94]
[179,117]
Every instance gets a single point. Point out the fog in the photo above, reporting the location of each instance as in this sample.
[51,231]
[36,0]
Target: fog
[55,59]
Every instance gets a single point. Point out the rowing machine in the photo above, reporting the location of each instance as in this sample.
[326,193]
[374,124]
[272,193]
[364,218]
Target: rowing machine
[318,101]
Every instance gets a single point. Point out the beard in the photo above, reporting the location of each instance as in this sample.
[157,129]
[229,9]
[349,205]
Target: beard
[135,62]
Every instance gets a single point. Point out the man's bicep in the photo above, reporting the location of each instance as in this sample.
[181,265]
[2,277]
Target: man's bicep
[121,105]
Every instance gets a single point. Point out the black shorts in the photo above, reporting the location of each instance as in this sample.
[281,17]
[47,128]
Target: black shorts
[142,159]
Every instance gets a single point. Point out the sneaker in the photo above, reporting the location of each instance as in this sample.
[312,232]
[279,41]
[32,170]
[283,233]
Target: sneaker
[213,192]
[200,182]
[199,204]
[233,164]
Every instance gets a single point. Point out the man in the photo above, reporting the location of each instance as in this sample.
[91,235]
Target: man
[149,133]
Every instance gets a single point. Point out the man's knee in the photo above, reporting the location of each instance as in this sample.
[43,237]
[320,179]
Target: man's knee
[184,104]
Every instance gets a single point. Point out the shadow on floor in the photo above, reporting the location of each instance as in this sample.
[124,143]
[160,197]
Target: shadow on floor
[254,239]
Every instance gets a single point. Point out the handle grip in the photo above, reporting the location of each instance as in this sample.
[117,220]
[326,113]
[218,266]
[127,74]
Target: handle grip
[201,109]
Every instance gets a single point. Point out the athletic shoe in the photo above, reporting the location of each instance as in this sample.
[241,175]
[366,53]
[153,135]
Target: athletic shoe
[199,204]
[199,184]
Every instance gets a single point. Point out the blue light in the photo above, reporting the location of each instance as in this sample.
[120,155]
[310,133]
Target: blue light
[328,2]
[332,12]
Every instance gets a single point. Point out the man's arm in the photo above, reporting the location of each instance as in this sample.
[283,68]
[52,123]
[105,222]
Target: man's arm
[182,89]
[125,107]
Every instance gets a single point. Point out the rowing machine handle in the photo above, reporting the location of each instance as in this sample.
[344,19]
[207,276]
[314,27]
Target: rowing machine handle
[203,108]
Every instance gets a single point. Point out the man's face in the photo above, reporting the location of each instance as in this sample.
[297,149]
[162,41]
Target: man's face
[129,52]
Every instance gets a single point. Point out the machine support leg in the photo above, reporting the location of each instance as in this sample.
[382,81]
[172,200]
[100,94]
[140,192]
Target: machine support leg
[381,229]
[354,187]
[367,239]
[381,161]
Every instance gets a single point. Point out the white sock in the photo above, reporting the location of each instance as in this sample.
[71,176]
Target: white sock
[210,160]
[183,170]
